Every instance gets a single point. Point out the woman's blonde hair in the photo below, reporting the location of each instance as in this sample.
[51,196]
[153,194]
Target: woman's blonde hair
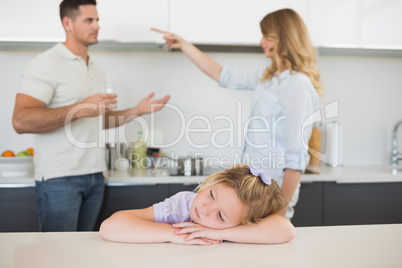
[261,200]
[292,47]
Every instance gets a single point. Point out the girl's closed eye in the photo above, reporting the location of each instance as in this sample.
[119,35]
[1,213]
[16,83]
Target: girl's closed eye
[219,213]
[211,194]
[220,217]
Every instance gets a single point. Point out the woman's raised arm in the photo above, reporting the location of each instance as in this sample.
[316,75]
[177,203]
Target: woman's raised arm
[200,59]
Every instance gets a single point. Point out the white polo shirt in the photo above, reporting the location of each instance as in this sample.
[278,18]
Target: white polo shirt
[60,78]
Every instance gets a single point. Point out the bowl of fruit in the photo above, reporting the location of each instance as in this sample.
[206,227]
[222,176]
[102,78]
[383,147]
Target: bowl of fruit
[17,165]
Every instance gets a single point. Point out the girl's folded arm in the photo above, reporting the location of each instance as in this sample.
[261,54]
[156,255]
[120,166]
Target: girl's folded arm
[273,229]
[136,226]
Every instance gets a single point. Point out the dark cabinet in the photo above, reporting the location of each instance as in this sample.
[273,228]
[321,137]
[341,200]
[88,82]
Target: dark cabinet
[18,212]
[175,188]
[320,203]
[308,210]
[135,197]
[130,197]
[362,203]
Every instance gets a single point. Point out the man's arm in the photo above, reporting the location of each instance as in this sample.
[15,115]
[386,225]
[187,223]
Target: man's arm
[31,115]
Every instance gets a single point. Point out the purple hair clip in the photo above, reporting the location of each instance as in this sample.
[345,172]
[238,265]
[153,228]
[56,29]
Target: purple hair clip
[258,172]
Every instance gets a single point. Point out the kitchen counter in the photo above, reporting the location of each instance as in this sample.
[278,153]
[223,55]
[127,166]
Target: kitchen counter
[334,246]
[345,174]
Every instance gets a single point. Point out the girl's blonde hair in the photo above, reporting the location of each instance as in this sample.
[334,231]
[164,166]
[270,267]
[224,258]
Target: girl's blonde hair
[261,200]
[292,47]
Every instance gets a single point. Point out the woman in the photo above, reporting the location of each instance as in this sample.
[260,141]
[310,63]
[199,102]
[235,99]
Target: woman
[286,93]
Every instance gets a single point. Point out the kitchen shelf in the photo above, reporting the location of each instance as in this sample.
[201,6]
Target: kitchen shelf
[103,45]
[107,45]
[323,51]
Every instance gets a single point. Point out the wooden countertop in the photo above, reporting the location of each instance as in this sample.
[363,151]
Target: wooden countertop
[334,246]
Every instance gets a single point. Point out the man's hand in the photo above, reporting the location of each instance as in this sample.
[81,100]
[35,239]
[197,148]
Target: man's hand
[96,105]
[195,231]
[147,105]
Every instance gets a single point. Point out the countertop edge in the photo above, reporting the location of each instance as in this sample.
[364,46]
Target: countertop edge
[341,175]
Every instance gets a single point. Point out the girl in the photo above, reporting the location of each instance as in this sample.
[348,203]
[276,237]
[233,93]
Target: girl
[285,95]
[227,206]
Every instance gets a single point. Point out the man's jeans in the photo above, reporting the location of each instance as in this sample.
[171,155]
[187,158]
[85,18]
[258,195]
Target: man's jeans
[69,203]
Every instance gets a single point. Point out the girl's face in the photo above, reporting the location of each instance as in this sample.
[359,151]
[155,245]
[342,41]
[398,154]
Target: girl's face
[217,207]
[267,44]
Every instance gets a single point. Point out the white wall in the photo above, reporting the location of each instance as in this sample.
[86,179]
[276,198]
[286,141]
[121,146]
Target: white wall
[368,91]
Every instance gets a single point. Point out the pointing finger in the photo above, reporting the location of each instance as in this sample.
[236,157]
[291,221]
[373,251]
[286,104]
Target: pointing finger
[159,31]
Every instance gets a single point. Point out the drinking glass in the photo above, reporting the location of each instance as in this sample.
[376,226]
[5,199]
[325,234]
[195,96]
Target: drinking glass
[109,88]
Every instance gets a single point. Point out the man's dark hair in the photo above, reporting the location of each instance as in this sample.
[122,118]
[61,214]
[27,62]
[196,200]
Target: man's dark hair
[70,8]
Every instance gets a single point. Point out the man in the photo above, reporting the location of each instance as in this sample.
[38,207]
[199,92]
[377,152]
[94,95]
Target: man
[59,100]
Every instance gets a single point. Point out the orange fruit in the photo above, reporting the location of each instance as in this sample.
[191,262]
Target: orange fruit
[30,150]
[8,153]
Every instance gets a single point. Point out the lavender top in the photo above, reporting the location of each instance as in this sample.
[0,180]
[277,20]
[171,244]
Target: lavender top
[174,209]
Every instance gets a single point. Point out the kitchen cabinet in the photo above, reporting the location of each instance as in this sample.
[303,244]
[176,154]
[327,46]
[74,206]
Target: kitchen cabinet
[18,212]
[331,203]
[378,23]
[336,27]
[333,23]
[131,20]
[320,203]
[130,197]
[309,210]
[120,20]
[177,187]
[362,203]
[355,23]
[225,21]
[23,20]
[135,197]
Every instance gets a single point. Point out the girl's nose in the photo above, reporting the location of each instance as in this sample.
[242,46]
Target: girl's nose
[206,209]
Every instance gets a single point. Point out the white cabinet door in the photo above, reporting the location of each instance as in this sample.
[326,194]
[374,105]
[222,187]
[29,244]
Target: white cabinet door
[23,20]
[131,20]
[380,23]
[225,21]
[333,22]
[121,20]
[355,23]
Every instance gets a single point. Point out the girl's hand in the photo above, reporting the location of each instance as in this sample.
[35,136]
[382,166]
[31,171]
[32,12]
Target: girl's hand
[197,231]
[182,239]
